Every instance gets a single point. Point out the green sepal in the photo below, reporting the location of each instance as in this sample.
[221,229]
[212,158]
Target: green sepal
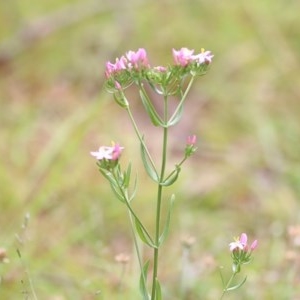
[147,164]
[172,177]
[236,286]
[158,294]
[236,267]
[143,234]
[150,109]
[143,279]
[167,225]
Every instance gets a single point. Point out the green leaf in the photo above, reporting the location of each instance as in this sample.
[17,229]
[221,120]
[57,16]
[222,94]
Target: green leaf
[127,174]
[113,183]
[121,100]
[171,178]
[143,279]
[236,286]
[167,225]
[150,109]
[158,294]
[147,164]
[118,193]
[176,116]
[143,234]
[134,190]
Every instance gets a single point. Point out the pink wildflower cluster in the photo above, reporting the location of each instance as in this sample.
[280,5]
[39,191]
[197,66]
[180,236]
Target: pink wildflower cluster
[241,243]
[108,153]
[133,67]
[184,56]
[132,60]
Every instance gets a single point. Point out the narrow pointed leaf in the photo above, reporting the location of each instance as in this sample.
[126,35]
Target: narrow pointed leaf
[134,190]
[114,185]
[172,178]
[127,176]
[107,175]
[143,279]
[237,286]
[167,225]
[176,117]
[158,294]
[117,192]
[147,164]
[144,236]
[154,116]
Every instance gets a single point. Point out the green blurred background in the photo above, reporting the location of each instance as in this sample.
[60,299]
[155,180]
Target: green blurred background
[245,176]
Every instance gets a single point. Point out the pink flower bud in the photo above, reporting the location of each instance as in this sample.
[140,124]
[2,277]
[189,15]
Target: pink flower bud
[253,245]
[117,150]
[118,85]
[191,140]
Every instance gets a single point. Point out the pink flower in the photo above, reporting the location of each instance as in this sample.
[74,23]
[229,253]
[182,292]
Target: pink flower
[108,153]
[119,65]
[243,239]
[104,152]
[183,56]
[160,69]
[242,244]
[203,57]
[117,150]
[191,140]
[137,59]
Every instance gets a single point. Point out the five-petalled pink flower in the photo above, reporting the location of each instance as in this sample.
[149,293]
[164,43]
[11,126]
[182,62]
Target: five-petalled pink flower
[108,153]
[241,243]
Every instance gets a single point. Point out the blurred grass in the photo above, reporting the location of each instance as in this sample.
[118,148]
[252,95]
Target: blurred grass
[245,176]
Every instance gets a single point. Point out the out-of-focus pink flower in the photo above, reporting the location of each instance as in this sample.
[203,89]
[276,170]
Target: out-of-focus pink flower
[137,59]
[183,56]
[244,239]
[117,150]
[108,153]
[118,85]
[253,245]
[160,69]
[236,245]
[203,57]
[118,66]
[191,140]
[242,244]
[104,152]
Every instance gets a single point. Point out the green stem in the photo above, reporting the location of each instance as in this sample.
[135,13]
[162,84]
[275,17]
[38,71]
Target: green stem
[228,285]
[159,200]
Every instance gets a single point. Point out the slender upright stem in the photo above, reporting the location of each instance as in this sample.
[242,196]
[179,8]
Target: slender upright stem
[228,285]
[159,200]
